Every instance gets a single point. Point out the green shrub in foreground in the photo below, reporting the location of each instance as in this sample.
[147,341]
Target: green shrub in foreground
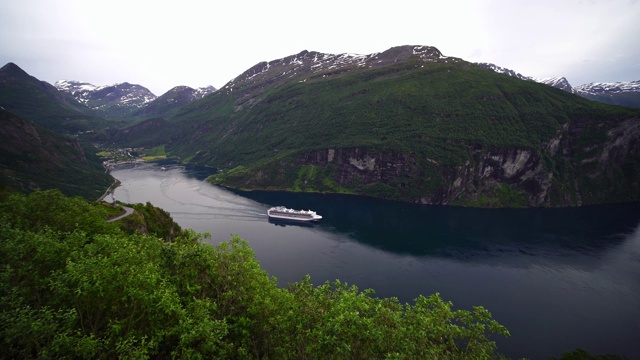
[72,285]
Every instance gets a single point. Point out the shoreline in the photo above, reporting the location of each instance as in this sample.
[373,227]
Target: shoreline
[109,190]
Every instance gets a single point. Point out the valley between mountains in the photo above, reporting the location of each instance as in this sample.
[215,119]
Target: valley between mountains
[408,124]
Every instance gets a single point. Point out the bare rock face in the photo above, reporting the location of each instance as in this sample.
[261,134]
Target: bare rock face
[561,173]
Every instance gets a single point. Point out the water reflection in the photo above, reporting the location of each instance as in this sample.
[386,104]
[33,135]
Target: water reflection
[444,231]
[285,223]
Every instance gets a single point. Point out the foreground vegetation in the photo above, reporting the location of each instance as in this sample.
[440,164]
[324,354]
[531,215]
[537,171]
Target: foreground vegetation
[74,286]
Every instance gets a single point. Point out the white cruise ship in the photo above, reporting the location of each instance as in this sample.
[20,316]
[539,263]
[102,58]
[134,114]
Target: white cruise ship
[283,213]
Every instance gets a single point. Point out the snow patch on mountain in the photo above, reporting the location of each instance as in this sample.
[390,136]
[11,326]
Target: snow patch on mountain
[122,95]
[558,82]
[615,93]
[201,92]
[308,65]
[78,89]
[600,88]
[502,70]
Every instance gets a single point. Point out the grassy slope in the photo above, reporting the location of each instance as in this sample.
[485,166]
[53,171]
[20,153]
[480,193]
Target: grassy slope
[433,109]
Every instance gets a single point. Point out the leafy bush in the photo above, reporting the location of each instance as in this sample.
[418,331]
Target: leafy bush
[74,286]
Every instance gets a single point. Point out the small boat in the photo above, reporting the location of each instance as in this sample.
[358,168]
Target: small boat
[283,213]
[163,168]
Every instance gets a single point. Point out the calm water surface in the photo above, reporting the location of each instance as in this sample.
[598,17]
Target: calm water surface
[558,279]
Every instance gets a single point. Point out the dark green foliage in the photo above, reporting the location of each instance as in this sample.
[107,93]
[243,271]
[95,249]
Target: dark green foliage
[503,196]
[52,210]
[150,220]
[34,158]
[43,104]
[74,286]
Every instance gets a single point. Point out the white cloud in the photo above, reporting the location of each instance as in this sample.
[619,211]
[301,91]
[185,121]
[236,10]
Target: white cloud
[197,43]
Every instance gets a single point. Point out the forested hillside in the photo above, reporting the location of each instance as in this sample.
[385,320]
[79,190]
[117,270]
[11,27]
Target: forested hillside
[32,158]
[407,124]
[75,286]
[40,102]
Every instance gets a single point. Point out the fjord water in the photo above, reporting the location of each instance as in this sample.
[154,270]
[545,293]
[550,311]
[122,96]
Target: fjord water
[558,279]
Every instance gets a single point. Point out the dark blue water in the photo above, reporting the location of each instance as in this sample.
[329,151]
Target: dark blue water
[558,279]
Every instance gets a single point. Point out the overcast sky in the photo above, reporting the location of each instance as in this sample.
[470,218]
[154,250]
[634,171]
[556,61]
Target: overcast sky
[160,44]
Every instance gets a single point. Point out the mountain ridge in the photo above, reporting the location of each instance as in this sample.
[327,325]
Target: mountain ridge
[625,93]
[55,110]
[172,101]
[116,101]
[125,100]
[407,124]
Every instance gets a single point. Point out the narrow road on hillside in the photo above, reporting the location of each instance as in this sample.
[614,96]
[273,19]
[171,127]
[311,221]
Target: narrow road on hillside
[127,211]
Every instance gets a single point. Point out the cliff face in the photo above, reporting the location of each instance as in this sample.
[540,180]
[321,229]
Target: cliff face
[563,172]
[571,169]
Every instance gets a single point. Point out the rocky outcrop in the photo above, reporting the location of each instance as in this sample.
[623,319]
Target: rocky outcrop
[353,166]
[566,171]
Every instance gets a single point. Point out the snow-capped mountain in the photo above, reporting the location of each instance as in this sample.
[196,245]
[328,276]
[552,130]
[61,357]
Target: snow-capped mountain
[124,100]
[173,100]
[201,92]
[78,89]
[308,65]
[502,70]
[117,101]
[558,82]
[616,93]
[598,88]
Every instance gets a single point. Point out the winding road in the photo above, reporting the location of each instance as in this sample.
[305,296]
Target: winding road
[127,211]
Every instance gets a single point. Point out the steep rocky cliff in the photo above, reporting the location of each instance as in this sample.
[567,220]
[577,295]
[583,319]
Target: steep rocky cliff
[567,170]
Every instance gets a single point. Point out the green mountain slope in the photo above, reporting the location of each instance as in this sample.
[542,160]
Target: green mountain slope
[34,158]
[42,103]
[409,124]
[172,101]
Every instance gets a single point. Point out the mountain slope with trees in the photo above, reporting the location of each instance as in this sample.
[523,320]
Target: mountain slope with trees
[34,158]
[40,102]
[409,124]
[615,93]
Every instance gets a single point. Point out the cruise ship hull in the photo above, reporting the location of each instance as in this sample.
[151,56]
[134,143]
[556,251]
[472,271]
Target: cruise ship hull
[285,214]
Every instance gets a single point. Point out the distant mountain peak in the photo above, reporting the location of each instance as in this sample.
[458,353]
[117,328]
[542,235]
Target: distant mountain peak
[503,70]
[398,53]
[615,93]
[307,65]
[118,100]
[72,86]
[13,70]
[602,88]
[173,100]
[558,82]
